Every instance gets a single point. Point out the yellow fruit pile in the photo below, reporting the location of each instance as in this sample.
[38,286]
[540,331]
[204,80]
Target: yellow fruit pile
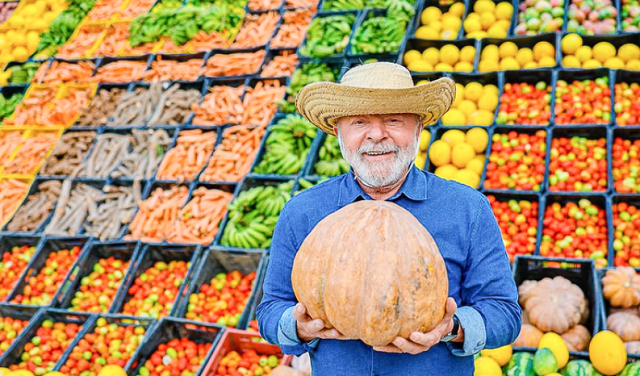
[449,58]
[425,139]
[460,156]
[508,56]
[436,25]
[602,54]
[18,45]
[35,15]
[474,105]
[488,20]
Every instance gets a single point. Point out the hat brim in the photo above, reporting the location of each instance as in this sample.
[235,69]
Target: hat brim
[323,103]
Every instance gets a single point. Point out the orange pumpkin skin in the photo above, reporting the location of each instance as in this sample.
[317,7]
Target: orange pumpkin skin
[621,287]
[577,338]
[625,325]
[529,336]
[372,271]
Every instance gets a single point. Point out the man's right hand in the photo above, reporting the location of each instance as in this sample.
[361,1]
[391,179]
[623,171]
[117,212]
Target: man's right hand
[309,329]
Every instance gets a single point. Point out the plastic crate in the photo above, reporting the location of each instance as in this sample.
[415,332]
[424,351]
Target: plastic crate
[17,313]
[219,260]
[531,77]
[629,77]
[173,328]
[273,53]
[33,190]
[614,200]
[421,45]
[631,134]
[586,74]
[522,42]
[444,7]
[7,242]
[469,9]
[336,56]
[103,86]
[491,78]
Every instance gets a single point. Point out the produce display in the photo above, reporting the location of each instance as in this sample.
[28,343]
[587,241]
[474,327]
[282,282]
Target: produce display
[626,109]
[98,289]
[583,102]
[328,36]
[518,221]
[438,24]
[475,104]
[488,19]
[578,164]
[524,103]
[509,56]
[448,58]
[459,155]
[626,246]
[582,53]
[330,161]
[14,262]
[10,329]
[176,356]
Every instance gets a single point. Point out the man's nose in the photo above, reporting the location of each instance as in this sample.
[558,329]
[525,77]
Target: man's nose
[377,131]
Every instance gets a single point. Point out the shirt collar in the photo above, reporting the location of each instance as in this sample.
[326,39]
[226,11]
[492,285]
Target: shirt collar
[414,188]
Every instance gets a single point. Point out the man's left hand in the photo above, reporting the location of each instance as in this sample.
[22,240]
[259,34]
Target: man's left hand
[419,342]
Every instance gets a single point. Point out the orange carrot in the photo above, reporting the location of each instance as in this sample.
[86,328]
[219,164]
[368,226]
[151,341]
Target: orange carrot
[263,5]
[260,102]
[233,158]
[256,30]
[64,111]
[281,65]
[171,70]
[9,141]
[104,9]
[188,157]
[12,191]
[198,221]
[157,214]
[301,3]
[233,64]
[293,28]
[120,71]
[135,8]
[32,153]
[61,71]
[32,107]
[221,106]
[115,39]
[81,43]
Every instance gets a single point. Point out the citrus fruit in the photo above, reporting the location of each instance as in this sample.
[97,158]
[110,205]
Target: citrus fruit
[440,153]
[19,39]
[457,9]
[461,154]
[509,63]
[112,370]
[607,353]
[614,63]
[583,53]
[453,117]
[497,31]
[436,25]
[4,371]
[20,53]
[570,43]
[412,55]
[504,11]
[543,49]
[449,54]
[558,347]
[481,118]
[488,102]
[508,49]
[476,166]
[447,171]
[488,66]
[478,138]
[463,66]
[468,54]
[471,25]
[633,65]
[547,61]
[471,179]
[628,52]
[570,61]
[591,64]
[524,56]
[530,65]
[487,19]
[467,107]
[430,14]
[490,52]
[501,355]
[425,138]
[443,67]
[482,6]
[453,137]
[425,32]
[450,22]
[602,51]
[420,66]
[491,89]
[431,55]
[422,82]
[472,91]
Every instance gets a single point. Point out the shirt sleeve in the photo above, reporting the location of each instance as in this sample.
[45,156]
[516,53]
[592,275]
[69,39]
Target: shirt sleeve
[475,335]
[488,285]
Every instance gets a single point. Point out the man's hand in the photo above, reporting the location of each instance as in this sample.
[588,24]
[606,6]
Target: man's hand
[420,342]
[309,329]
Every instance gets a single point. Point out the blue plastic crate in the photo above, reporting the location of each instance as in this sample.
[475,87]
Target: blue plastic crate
[531,77]
[570,76]
[629,77]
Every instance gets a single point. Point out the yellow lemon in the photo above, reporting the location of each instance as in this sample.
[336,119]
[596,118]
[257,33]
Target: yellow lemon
[509,63]
[459,95]
[468,54]
[20,53]
[607,353]
[4,371]
[602,51]
[558,347]
[448,35]
[463,66]
[440,153]
[490,90]
[447,171]
[508,49]
[488,66]
[477,34]
[461,154]
[422,82]
[471,25]
[628,52]
[478,138]
[570,43]
[443,67]
[453,137]
[22,372]
[543,49]
[467,107]
[501,355]
[449,54]
[482,118]
[472,91]
[530,65]
[487,19]
[436,25]
[39,24]
[49,17]
[479,157]
[431,55]
[614,63]
[472,179]
[497,31]
[547,61]
[425,32]
[504,11]
[33,40]
[482,6]
[421,160]
[490,52]
[524,55]
[583,53]
[633,65]
[450,22]
[29,11]
[430,14]
[425,139]
[570,61]
[453,117]
[111,370]
[457,9]
[591,64]
[476,166]
[19,39]
[488,102]
[411,56]
[420,66]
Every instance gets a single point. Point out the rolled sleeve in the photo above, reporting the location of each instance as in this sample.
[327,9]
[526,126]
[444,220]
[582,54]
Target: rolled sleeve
[288,331]
[475,335]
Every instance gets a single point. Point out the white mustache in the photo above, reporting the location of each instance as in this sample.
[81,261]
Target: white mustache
[378,148]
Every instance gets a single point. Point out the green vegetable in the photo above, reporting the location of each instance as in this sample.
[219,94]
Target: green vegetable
[328,36]
[62,27]
[8,105]
[22,74]
[379,35]
[330,161]
[306,74]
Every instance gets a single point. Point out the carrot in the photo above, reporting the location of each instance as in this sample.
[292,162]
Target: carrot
[232,159]
[198,221]
[188,157]
[301,3]
[293,28]
[237,64]
[204,42]
[120,71]
[104,9]
[64,111]
[221,106]
[157,214]
[263,5]
[135,8]
[32,153]
[115,39]
[31,109]
[171,70]
[40,73]
[11,193]
[281,65]
[168,47]
[81,43]
[260,102]
[61,71]
[9,141]
[256,30]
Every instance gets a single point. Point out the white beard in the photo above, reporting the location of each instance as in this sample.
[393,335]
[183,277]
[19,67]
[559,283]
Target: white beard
[380,174]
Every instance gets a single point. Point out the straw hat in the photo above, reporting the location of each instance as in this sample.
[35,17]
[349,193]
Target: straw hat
[374,88]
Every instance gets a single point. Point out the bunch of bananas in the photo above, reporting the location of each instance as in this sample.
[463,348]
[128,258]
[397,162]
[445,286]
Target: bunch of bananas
[22,74]
[378,35]
[330,161]
[306,74]
[253,216]
[287,146]
[306,184]
[327,36]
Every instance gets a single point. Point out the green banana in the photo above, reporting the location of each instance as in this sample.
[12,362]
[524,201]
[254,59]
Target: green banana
[328,36]
[330,161]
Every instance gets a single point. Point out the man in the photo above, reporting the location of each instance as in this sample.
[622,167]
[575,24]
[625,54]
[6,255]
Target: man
[377,114]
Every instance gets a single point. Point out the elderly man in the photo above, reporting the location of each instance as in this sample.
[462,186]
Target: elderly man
[377,114]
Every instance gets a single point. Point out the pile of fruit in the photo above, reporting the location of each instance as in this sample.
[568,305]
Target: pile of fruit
[488,20]
[13,264]
[583,101]
[627,109]
[540,16]
[449,58]
[176,357]
[621,291]
[592,17]
[436,24]
[459,155]
[625,165]
[330,161]
[518,221]
[577,54]
[99,288]
[509,56]
[525,104]
[475,104]
[626,229]
[578,164]
[10,328]
[249,361]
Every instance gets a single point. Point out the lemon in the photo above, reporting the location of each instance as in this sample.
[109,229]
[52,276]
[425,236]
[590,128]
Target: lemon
[39,24]
[543,49]
[420,66]
[487,19]
[447,171]
[477,34]
[490,52]
[450,22]
[49,17]
[482,6]
[467,107]
[3,42]
[488,66]
[430,14]
[607,353]
[583,53]
[602,51]
[628,52]
[491,90]
[508,49]
[471,25]
[425,138]
[457,9]
[524,56]
[488,102]
[449,54]
[472,179]
[570,61]
[111,370]
[453,117]
[504,11]
[448,35]
[558,347]
[33,40]
[22,372]
[440,153]
[591,64]
[547,61]
[481,118]
[422,82]
[614,63]
[421,160]
[530,65]
[453,137]
[476,166]
[473,16]
[570,43]
[19,39]
[463,66]
[478,138]
[442,67]
[501,355]
[431,55]
[509,63]
[633,65]
[461,154]
[411,56]
[425,32]
[20,53]
[472,91]
[4,371]
[497,31]
[459,95]
[436,25]
[468,54]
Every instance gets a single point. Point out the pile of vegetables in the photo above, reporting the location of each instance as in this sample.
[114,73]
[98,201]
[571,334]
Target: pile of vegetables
[328,36]
[62,27]
[306,74]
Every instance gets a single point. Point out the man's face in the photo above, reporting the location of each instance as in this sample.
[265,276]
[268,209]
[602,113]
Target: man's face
[379,148]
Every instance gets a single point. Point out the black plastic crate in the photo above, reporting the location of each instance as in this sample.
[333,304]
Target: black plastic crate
[16,313]
[569,76]
[629,77]
[377,13]
[531,77]
[484,79]
[339,55]
[40,225]
[470,4]
[314,155]
[7,243]
[109,87]
[631,134]
[444,7]
[273,53]
[631,200]
[421,45]
[523,42]
[82,155]
[219,260]
[616,40]
[180,58]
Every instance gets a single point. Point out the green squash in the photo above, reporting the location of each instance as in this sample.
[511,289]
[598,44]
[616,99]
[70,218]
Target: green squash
[544,362]
[578,368]
[520,364]
[631,369]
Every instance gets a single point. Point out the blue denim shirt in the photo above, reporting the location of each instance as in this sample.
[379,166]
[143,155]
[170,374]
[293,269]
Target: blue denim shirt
[465,229]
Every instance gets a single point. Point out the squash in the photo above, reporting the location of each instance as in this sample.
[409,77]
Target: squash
[556,305]
[607,353]
[577,338]
[521,364]
[524,291]
[529,336]
[633,347]
[621,287]
[626,325]
[632,310]
[372,271]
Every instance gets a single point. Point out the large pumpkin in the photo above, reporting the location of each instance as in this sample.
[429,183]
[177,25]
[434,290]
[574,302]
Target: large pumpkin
[372,271]
[621,287]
